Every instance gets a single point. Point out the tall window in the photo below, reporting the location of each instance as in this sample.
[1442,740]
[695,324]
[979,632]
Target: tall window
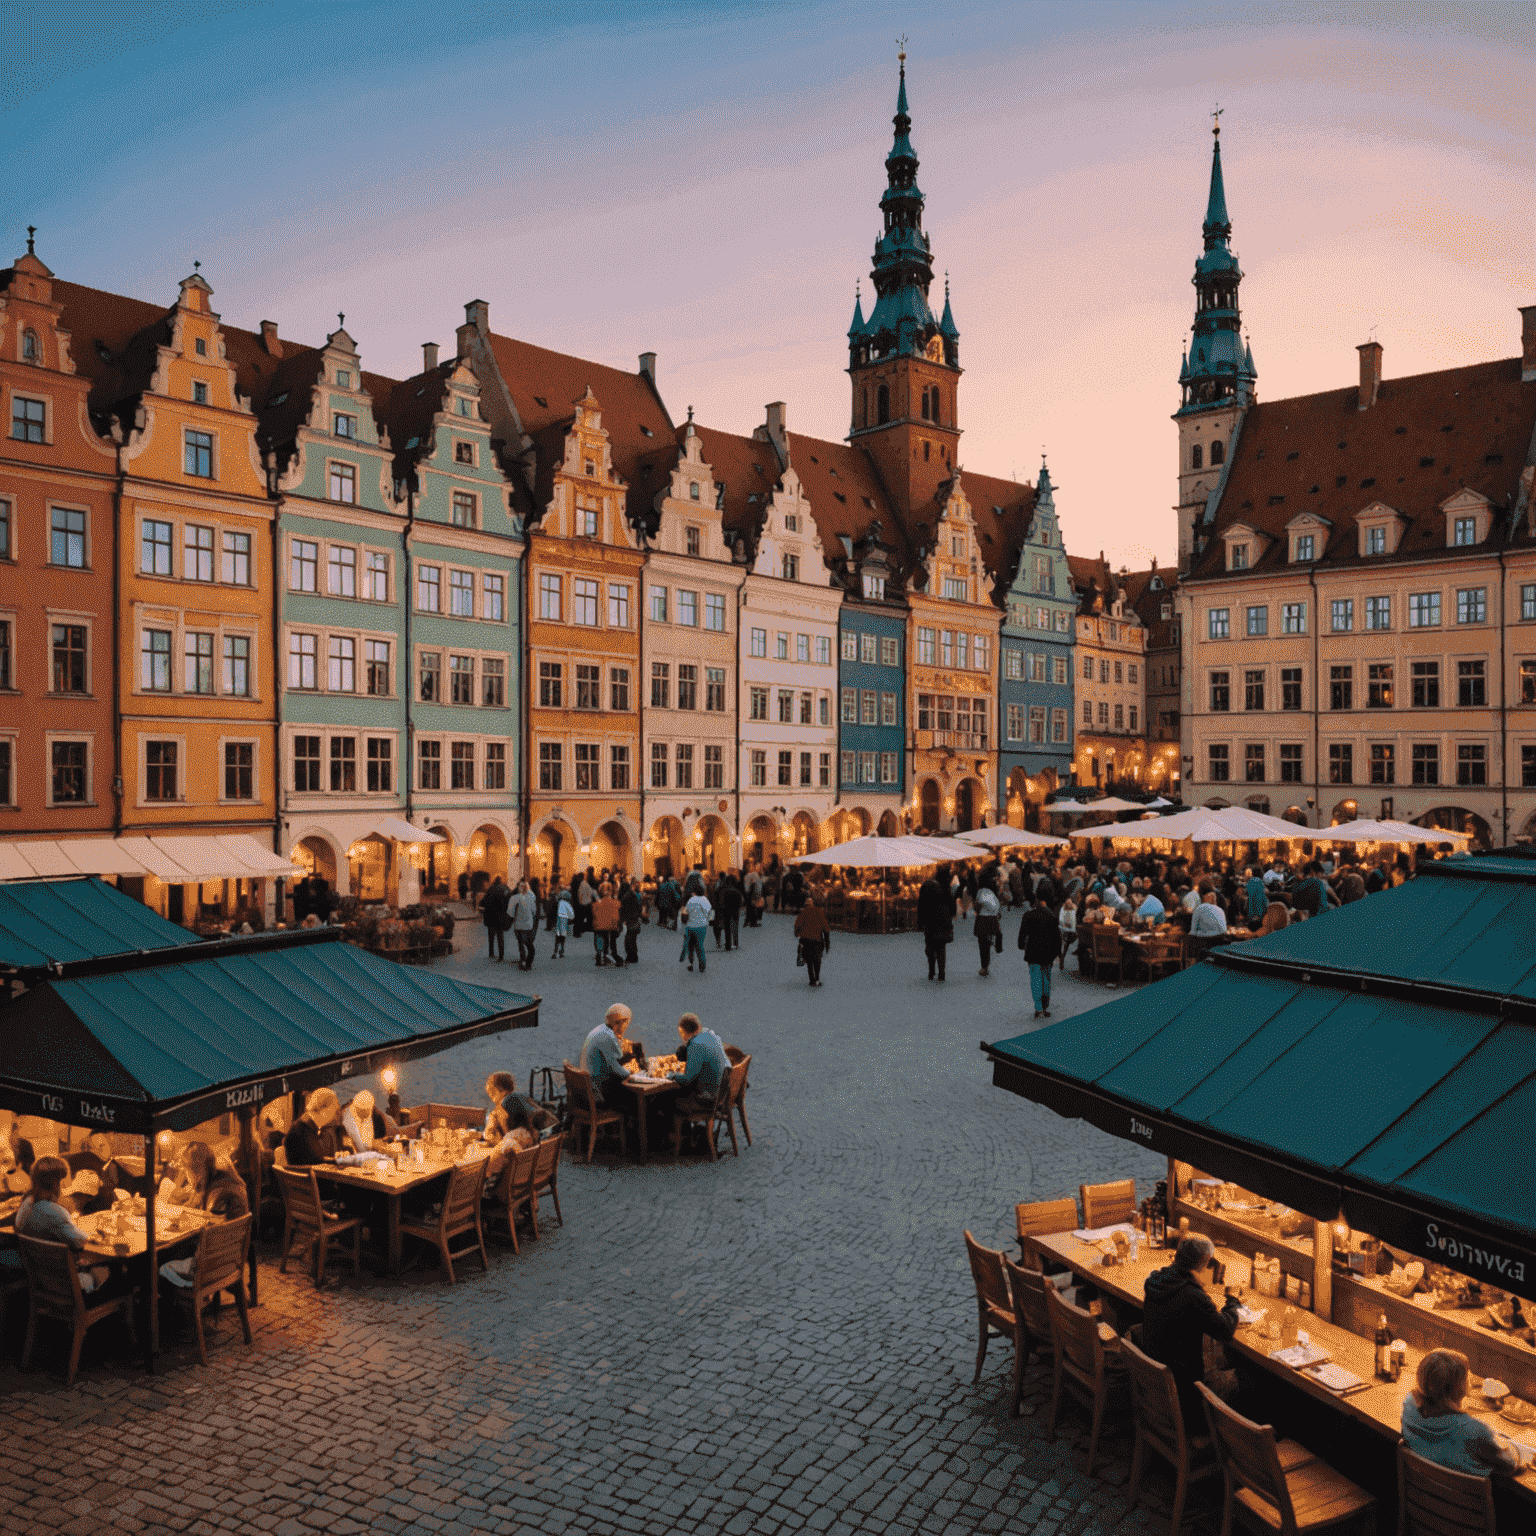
[589,686]
[1290,762]
[618,688]
[714,688]
[343,483]
[429,677]
[197,553]
[376,661]
[1220,762]
[618,767]
[341,570]
[759,704]
[791,567]
[687,608]
[237,665]
[495,775]
[1342,612]
[199,663]
[661,685]
[687,685]
[691,532]
[1341,687]
[461,766]
[341,664]
[1305,544]
[549,597]
[430,765]
[461,594]
[1375,541]
[381,767]
[306,764]
[759,642]
[1221,692]
[584,601]
[1218,623]
[1383,762]
[1258,621]
[549,684]
[463,509]
[27,419]
[69,781]
[1471,763]
[1341,762]
[549,765]
[714,767]
[155,660]
[685,765]
[786,769]
[618,606]
[1253,763]
[1378,613]
[586,521]
[660,764]
[69,658]
[302,662]
[1472,605]
[303,565]
[154,546]
[1426,762]
[1424,680]
[1290,688]
[343,764]
[160,770]
[494,592]
[199,454]
[850,706]
[493,683]
[786,707]
[67,546]
[6,672]
[461,679]
[657,597]
[1471,686]
[1239,557]
[376,577]
[5,546]
[236,561]
[1253,690]
[1423,610]
[1293,618]
[1466,530]
[429,581]
[925,647]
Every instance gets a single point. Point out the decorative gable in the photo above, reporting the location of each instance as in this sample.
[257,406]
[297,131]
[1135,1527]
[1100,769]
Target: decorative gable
[1468,518]
[1244,545]
[1379,529]
[1306,538]
[789,545]
[589,496]
[689,520]
[954,565]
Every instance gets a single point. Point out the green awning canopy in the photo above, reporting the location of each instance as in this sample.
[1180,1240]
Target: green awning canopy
[1380,1061]
[44,923]
[172,1040]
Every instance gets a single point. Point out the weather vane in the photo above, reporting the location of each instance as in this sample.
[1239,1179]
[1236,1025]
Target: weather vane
[1216,118]
[341,318]
[31,239]
[901,43]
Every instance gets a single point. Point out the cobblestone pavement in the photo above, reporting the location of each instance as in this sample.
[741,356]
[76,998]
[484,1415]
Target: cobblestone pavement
[780,1343]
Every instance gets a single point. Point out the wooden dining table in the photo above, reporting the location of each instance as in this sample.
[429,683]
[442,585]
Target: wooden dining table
[174,1226]
[647,1086]
[438,1161]
[1378,1405]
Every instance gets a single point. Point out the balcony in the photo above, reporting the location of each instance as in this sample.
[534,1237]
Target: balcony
[958,741]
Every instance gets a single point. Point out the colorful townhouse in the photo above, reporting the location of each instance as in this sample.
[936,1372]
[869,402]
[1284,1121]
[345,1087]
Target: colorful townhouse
[688,642]
[1154,594]
[464,629]
[341,746]
[1110,660]
[59,774]
[789,635]
[196,684]
[1035,687]
[591,447]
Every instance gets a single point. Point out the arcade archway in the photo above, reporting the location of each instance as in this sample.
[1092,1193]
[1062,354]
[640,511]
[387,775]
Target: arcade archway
[968,800]
[488,858]
[761,841]
[664,849]
[610,848]
[1456,818]
[890,825]
[314,856]
[804,837]
[371,868]
[712,839]
[929,805]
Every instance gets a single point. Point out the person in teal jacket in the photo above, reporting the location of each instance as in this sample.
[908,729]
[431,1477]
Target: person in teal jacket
[705,1064]
[1258,899]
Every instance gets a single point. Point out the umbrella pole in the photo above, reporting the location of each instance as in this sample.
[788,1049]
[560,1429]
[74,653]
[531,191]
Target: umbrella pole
[151,1247]
[251,1164]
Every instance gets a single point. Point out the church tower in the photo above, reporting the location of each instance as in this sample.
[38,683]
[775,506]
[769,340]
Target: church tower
[1216,375]
[904,364]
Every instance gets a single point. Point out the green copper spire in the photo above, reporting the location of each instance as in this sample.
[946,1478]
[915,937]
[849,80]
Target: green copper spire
[857,328]
[1217,225]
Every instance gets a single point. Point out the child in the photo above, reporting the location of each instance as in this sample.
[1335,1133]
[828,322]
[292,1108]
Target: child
[565,915]
[1068,924]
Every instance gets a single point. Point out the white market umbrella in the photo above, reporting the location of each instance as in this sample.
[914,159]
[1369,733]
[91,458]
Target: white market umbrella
[1114,803]
[398,831]
[892,853]
[1233,824]
[1158,804]
[1365,831]
[1066,808]
[1008,837]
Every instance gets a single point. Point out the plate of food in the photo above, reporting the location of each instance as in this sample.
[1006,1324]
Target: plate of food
[1518,1411]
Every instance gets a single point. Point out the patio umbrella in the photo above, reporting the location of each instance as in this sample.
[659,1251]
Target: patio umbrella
[1008,837]
[1113,803]
[1364,831]
[892,853]
[1233,824]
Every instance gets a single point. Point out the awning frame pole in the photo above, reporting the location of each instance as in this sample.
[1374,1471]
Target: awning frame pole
[151,1249]
[250,1159]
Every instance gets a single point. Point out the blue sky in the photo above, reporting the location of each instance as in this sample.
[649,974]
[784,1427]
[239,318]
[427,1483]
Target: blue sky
[702,182]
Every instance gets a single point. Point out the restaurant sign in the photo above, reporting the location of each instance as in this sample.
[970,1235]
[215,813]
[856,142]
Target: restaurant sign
[1467,1254]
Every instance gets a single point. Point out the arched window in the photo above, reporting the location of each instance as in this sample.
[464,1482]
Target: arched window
[925,405]
[1196,458]
[1218,453]
[29,346]
[936,416]
[882,405]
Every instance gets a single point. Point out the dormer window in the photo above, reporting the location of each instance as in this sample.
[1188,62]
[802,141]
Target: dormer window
[461,404]
[1166,611]
[1305,547]
[1465,531]
[344,425]
[200,346]
[874,588]
[956,589]
[957,547]
[1375,541]
[29,346]
[791,522]
[344,378]
[693,490]
[1238,560]
[791,567]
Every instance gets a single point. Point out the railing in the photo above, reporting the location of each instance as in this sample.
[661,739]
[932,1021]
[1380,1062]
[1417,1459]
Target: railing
[960,741]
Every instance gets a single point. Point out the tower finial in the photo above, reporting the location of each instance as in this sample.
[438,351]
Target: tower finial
[901,56]
[197,266]
[1216,112]
[341,319]
[31,239]
[690,415]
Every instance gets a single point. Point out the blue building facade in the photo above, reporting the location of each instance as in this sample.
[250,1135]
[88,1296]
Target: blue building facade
[1035,678]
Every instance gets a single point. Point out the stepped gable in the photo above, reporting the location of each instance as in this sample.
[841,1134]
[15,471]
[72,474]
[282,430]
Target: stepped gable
[280,389]
[746,471]
[545,386]
[113,341]
[1423,439]
[1003,510]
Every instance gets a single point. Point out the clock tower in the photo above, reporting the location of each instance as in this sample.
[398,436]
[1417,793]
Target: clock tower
[905,364]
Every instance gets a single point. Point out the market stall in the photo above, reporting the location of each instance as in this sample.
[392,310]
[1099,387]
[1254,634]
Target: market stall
[169,1040]
[1347,1103]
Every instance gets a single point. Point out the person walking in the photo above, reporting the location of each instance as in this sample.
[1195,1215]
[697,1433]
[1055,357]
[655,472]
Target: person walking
[605,927]
[631,915]
[493,913]
[936,917]
[754,895]
[1040,939]
[988,926]
[524,923]
[814,934]
[565,915]
[696,916]
[730,899]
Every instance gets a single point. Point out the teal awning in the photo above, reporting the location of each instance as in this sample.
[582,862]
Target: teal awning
[44,923]
[1380,1060]
[171,1041]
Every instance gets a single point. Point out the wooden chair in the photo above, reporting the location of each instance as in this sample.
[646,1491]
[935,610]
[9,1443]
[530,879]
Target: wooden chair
[735,1055]
[1042,1217]
[1032,1323]
[304,1215]
[586,1111]
[1106,1204]
[514,1189]
[718,1114]
[1159,1425]
[53,1284]
[1277,1486]
[1165,957]
[1105,949]
[994,1310]
[1435,1501]
[220,1266]
[1087,1365]
[458,1216]
[546,1179]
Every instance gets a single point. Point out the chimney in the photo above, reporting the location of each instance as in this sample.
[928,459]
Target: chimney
[1527,343]
[428,356]
[478,314]
[776,433]
[1370,374]
[648,366]
[269,339]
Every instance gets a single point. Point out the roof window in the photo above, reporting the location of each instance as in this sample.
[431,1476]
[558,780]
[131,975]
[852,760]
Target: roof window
[103,351]
[646,430]
[541,401]
[1295,453]
[1368,482]
[1427,463]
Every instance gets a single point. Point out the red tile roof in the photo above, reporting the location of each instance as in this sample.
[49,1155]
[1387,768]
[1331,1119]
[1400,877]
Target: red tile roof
[113,340]
[1423,439]
[1003,510]
[546,385]
[746,471]
[846,497]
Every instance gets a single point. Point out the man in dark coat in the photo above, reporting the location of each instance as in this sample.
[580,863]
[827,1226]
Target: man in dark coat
[1040,939]
[630,915]
[936,917]
[493,913]
[729,899]
[1178,1316]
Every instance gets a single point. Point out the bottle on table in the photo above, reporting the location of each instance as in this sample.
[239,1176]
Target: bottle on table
[1383,1348]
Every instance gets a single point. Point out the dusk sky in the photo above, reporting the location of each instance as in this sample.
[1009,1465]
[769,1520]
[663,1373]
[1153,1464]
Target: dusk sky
[701,181]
